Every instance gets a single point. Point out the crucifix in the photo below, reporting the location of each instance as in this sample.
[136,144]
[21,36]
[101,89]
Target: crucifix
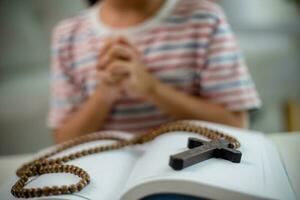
[200,150]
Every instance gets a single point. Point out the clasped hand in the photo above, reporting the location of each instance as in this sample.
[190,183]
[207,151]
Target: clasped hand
[120,68]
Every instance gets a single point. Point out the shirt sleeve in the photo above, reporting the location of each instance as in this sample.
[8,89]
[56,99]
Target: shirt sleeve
[65,95]
[224,76]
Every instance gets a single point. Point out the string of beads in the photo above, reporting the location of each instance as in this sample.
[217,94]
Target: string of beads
[46,165]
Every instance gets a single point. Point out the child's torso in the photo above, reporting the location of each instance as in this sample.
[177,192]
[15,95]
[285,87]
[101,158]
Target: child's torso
[173,51]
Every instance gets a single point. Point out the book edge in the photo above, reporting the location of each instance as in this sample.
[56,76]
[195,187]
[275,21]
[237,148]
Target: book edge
[185,187]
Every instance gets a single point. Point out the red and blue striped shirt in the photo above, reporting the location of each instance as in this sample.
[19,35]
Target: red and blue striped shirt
[188,44]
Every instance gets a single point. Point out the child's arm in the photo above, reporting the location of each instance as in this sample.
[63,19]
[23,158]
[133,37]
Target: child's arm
[69,119]
[181,105]
[90,117]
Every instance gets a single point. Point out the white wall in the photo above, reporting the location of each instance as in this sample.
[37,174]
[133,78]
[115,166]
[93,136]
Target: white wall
[259,13]
[269,33]
[24,70]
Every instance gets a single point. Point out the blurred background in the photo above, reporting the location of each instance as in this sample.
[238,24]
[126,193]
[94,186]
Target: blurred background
[268,31]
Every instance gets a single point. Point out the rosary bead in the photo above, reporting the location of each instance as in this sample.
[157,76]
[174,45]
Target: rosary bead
[90,151]
[31,192]
[41,170]
[77,154]
[55,190]
[22,182]
[56,168]
[46,190]
[77,171]
[65,159]
[80,186]
[46,170]
[58,161]
[64,189]
[84,152]
[85,181]
[82,173]
[26,193]
[38,192]
[51,162]
[13,191]
[72,157]
[22,195]
[28,173]
[73,188]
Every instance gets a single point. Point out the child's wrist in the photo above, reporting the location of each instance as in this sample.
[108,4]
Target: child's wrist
[152,89]
[106,94]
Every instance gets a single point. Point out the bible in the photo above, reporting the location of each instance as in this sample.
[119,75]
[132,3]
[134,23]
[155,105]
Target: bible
[143,171]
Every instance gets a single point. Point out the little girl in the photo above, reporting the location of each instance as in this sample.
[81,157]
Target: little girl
[136,64]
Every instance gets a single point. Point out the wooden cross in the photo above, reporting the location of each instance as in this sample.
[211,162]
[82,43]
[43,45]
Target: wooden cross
[201,150]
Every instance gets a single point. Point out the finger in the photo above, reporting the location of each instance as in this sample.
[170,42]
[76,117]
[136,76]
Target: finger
[129,89]
[105,77]
[126,42]
[109,79]
[115,52]
[119,68]
[115,73]
[103,62]
[120,51]
[103,59]
[106,46]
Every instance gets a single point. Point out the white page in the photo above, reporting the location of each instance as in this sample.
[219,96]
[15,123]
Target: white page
[277,180]
[246,177]
[108,171]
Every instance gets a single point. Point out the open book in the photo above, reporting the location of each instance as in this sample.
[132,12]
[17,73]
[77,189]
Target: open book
[141,171]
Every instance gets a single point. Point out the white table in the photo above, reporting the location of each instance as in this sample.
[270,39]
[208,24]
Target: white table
[288,146]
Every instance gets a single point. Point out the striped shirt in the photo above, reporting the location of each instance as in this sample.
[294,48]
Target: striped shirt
[188,44]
